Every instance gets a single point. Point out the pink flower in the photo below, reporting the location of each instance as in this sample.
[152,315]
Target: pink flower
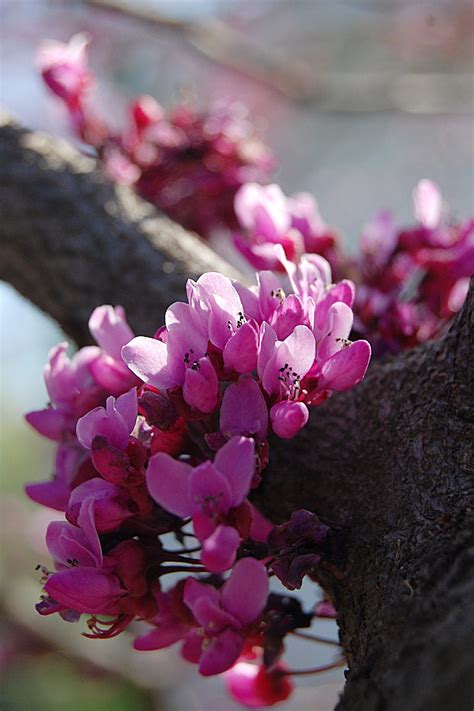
[100,505]
[288,418]
[115,421]
[64,67]
[256,687]
[72,466]
[110,330]
[268,217]
[207,493]
[224,614]
[428,204]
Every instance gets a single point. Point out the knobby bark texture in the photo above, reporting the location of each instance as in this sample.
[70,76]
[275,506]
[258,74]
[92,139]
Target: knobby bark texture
[71,241]
[388,464]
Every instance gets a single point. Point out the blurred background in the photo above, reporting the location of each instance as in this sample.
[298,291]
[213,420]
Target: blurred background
[358,99]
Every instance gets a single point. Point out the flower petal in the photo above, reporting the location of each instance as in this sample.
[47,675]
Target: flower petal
[248,574]
[168,483]
[148,359]
[236,461]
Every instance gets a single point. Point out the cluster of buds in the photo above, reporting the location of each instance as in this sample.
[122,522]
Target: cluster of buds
[160,443]
[411,281]
[188,162]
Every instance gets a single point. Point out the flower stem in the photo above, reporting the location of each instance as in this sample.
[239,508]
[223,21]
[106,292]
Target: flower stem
[315,638]
[317,670]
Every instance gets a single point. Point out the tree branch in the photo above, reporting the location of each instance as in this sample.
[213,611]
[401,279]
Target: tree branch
[389,464]
[72,241]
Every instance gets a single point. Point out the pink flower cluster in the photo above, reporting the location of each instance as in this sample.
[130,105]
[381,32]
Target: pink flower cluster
[411,281]
[188,162]
[162,439]
[267,217]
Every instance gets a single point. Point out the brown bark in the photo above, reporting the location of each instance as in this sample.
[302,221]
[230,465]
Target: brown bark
[389,464]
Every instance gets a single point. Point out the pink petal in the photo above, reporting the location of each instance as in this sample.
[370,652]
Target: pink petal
[148,359]
[346,368]
[211,616]
[248,574]
[288,315]
[85,589]
[298,351]
[243,410]
[236,461]
[48,422]
[201,386]
[209,490]
[221,654]
[219,550]
[168,483]
[192,647]
[339,324]
[127,406]
[110,329]
[268,345]
[68,543]
[160,638]
[53,494]
[194,591]
[428,204]
[240,351]
[288,418]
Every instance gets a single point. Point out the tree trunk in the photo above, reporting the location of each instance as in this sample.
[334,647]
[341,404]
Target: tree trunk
[388,464]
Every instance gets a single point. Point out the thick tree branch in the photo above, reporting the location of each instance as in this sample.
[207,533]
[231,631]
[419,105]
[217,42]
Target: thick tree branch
[388,464]
[72,241]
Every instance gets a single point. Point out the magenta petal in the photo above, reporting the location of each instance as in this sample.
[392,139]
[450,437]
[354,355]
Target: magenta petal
[148,359]
[160,638]
[201,386]
[211,616]
[248,574]
[127,406]
[48,422]
[53,494]
[168,483]
[68,543]
[192,647]
[220,549]
[288,315]
[221,654]
[244,410]
[346,368]
[86,521]
[288,418]
[236,461]
[195,590]
[240,351]
[85,589]
[209,490]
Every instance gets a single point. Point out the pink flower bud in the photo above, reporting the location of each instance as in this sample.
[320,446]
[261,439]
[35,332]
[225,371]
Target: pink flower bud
[255,686]
[288,418]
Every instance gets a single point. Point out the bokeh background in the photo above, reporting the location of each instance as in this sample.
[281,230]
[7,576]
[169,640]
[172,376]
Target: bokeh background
[359,99]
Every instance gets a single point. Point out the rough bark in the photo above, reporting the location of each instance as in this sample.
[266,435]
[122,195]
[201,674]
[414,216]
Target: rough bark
[389,464]
[71,240]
